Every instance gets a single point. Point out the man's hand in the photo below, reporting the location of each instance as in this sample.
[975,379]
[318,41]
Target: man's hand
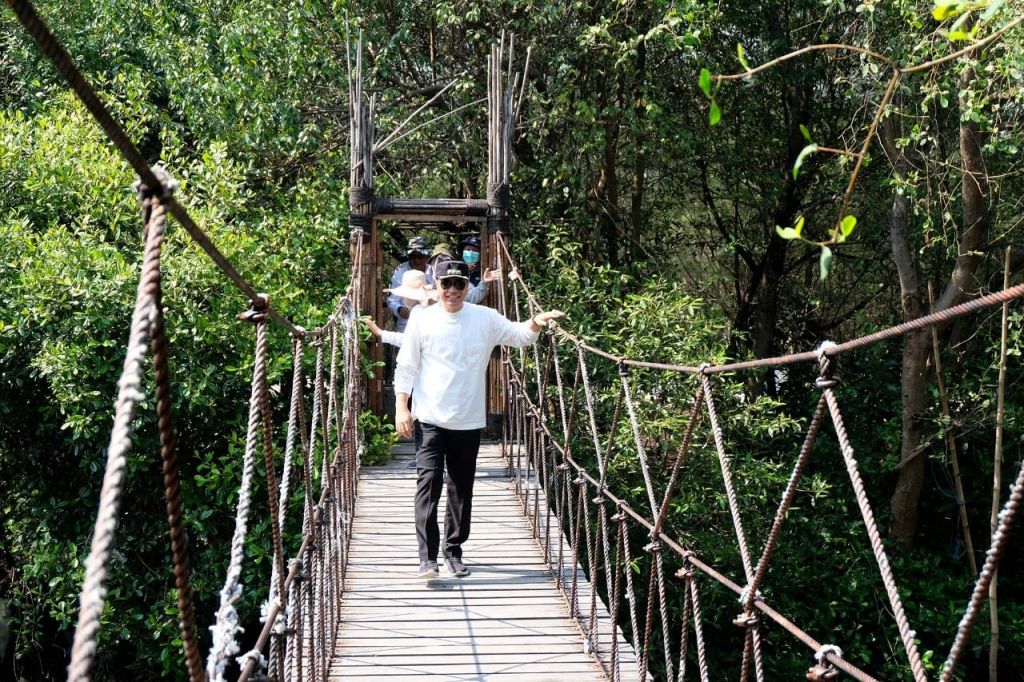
[492,275]
[541,320]
[403,418]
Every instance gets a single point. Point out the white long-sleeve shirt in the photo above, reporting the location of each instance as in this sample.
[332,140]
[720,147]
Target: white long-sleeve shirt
[443,362]
[395,338]
[395,301]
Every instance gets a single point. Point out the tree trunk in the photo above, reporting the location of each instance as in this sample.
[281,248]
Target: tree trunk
[766,308]
[605,194]
[636,211]
[914,380]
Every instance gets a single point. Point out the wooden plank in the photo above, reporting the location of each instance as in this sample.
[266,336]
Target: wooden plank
[506,620]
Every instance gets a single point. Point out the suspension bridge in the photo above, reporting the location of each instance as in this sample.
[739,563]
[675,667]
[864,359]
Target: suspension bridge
[558,561]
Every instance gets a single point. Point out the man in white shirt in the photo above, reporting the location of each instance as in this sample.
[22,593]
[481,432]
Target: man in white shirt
[443,365]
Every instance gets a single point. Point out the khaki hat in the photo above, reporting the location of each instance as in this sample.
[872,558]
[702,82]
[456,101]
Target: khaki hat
[414,286]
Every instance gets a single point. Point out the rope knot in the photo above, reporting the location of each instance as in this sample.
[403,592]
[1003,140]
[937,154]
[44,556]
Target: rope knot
[257,311]
[825,669]
[703,369]
[745,620]
[745,595]
[653,547]
[168,186]
[622,367]
[253,655]
[825,365]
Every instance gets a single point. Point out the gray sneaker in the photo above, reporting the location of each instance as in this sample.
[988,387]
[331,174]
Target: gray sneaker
[428,569]
[455,566]
[411,464]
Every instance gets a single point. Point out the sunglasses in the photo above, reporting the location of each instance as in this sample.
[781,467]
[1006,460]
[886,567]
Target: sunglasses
[456,282]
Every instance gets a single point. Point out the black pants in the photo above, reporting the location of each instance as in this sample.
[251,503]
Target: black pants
[454,451]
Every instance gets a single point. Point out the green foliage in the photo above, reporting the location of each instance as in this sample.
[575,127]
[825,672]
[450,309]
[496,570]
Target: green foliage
[663,238]
[379,439]
[69,265]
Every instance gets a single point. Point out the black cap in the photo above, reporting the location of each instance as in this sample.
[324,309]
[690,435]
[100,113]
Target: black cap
[454,268]
[471,240]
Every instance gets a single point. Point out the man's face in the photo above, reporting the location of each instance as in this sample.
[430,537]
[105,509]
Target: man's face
[452,297]
[418,261]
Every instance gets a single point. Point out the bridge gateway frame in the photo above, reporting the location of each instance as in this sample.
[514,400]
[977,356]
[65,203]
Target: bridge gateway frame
[505,89]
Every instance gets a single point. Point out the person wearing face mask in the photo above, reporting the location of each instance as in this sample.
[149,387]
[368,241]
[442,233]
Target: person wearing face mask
[442,364]
[469,249]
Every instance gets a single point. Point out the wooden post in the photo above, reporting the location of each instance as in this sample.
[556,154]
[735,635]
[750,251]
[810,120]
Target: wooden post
[503,105]
[361,222]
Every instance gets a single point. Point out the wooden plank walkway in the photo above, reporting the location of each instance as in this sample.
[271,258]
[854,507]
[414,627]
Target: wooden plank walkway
[505,621]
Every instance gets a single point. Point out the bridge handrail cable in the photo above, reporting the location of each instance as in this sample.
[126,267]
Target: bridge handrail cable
[523,408]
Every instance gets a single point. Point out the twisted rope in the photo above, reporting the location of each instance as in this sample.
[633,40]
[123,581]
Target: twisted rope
[1007,517]
[224,646]
[129,394]
[171,474]
[906,634]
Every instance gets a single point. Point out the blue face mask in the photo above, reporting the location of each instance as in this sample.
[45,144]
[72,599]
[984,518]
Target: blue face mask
[470,257]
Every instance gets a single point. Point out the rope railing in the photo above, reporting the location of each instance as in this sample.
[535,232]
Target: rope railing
[576,498]
[301,615]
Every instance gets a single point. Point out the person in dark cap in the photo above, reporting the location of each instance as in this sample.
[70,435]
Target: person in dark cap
[443,365]
[469,250]
[418,252]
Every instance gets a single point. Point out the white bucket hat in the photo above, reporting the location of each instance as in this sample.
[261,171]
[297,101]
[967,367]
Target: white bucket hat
[414,286]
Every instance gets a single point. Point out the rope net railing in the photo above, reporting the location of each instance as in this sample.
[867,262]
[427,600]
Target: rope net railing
[322,453]
[560,455]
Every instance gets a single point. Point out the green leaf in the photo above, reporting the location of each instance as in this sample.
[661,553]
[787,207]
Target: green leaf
[959,36]
[715,115]
[705,82]
[825,263]
[791,232]
[804,153]
[944,9]
[846,227]
[742,57]
[806,133]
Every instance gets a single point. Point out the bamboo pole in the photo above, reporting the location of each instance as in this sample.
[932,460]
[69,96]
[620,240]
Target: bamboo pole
[997,480]
[961,502]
